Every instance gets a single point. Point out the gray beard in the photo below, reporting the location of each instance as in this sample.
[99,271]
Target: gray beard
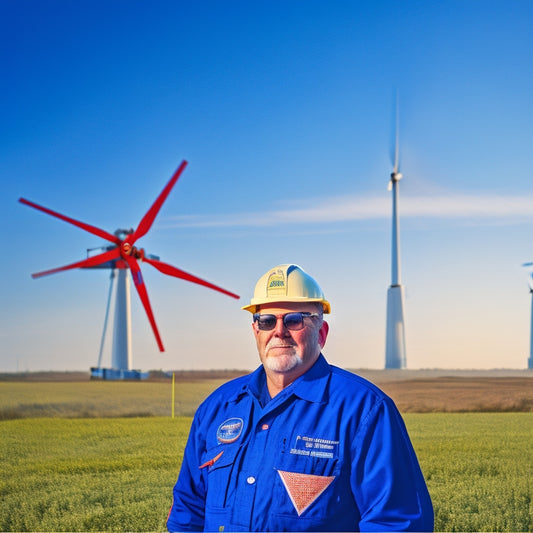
[282,364]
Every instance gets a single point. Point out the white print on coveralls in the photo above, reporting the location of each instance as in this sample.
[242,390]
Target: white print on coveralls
[315,447]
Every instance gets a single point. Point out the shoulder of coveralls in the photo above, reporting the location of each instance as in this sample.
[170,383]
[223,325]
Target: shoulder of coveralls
[363,400]
[363,393]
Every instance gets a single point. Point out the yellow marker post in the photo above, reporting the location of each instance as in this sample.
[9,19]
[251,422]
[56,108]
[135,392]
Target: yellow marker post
[173,394]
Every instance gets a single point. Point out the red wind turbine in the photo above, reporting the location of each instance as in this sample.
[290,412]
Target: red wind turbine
[124,254]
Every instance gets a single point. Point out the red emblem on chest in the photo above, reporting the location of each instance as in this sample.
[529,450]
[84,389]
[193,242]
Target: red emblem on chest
[304,489]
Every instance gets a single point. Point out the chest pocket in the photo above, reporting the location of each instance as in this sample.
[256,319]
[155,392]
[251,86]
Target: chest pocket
[309,487]
[219,464]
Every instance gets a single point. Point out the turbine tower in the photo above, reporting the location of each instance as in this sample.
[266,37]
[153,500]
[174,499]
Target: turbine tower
[121,346]
[395,342]
[122,255]
[530,359]
[121,343]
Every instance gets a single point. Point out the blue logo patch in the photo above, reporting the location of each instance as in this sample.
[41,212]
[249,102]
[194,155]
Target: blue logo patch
[230,430]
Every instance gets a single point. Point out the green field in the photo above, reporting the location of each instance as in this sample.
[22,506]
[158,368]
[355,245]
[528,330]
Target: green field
[478,467]
[103,456]
[100,399]
[116,474]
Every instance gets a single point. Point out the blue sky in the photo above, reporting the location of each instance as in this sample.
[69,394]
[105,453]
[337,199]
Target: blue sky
[284,111]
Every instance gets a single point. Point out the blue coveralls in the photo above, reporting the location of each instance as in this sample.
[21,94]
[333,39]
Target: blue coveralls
[328,453]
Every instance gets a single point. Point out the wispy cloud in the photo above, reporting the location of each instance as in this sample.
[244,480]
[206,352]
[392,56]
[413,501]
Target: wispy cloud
[354,208]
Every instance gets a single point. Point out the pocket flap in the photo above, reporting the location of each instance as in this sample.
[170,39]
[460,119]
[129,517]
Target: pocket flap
[219,457]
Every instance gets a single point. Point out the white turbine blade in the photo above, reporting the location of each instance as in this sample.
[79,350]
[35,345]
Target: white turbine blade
[389,186]
[395,152]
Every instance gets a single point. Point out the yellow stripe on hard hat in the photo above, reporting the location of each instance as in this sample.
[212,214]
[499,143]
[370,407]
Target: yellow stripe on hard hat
[286,283]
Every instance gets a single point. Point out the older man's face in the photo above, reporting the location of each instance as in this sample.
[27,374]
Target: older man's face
[287,351]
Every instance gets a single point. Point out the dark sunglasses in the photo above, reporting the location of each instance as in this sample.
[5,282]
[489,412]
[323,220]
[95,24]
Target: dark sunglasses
[292,321]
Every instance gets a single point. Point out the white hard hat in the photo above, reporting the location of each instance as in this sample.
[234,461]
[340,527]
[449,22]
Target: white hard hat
[286,283]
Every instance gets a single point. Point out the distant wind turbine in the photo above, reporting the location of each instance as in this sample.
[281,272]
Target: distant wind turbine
[530,359]
[395,343]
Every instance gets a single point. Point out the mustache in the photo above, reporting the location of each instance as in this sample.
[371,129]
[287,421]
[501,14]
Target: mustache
[276,343]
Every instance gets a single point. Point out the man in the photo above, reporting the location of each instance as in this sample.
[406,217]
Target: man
[298,445]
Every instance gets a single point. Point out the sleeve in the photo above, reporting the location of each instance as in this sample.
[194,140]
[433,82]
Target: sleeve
[386,479]
[188,505]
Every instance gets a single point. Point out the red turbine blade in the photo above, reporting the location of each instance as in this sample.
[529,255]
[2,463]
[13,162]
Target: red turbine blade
[178,273]
[148,219]
[89,262]
[87,227]
[143,295]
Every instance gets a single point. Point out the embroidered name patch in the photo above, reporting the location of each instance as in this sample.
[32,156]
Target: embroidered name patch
[230,430]
[315,447]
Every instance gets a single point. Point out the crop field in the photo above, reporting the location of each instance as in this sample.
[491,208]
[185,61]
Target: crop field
[100,456]
[100,399]
[478,468]
[74,395]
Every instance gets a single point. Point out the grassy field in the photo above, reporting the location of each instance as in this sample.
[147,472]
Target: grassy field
[89,474]
[101,456]
[478,467]
[100,399]
[117,474]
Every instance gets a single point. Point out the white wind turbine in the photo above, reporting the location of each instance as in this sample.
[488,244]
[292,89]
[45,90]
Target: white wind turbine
[395,343]
[529,266]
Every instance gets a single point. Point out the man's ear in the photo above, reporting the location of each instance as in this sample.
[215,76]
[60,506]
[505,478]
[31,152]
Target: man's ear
[323,334]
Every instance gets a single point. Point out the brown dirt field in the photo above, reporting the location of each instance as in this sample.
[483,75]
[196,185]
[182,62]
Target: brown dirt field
[413,390]
[461,394]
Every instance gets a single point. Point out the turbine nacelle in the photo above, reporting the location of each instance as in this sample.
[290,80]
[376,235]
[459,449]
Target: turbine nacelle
[137,253]
[394,178]
[123,233]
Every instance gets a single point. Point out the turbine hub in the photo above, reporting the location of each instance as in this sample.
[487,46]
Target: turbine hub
[127,248]
[132,251]
[395,176]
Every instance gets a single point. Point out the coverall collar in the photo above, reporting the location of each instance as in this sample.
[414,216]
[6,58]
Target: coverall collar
[311,386]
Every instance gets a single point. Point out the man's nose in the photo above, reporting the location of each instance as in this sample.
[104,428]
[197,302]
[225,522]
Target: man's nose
[280,330]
